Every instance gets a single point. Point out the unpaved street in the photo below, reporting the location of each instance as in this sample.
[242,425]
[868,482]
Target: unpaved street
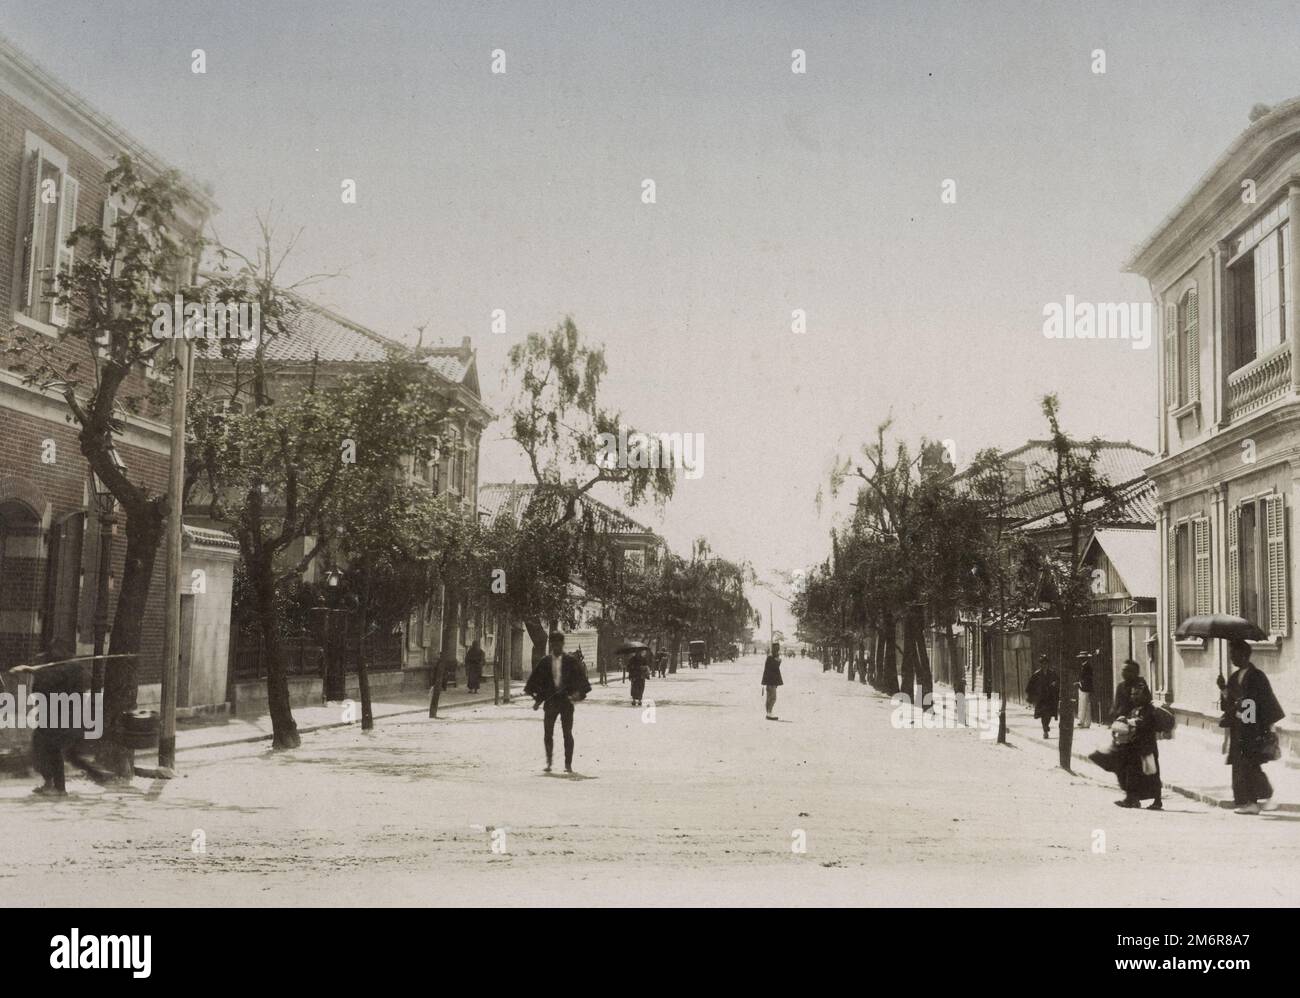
[702,806]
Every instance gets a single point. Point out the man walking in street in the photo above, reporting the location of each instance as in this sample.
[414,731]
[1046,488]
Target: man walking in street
[474,659]
[558,680]
[772,678]
[1250,709]
[1044,691]
[1085,690]
[53,676]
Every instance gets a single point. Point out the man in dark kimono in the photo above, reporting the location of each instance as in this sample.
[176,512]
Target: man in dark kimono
[1044,691]
[51,677]
[638,670]
[1139,757]
[1130,682]
[772,679]
[557,681]
[474,659]
[1249,711]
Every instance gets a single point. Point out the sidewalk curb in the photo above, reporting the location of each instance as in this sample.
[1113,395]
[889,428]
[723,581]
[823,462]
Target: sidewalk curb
[252,739]
[1202,796]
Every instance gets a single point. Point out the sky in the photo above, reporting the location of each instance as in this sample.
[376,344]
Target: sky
[775,191]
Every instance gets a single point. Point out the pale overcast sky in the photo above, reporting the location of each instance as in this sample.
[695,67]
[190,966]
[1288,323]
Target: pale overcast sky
[775,191]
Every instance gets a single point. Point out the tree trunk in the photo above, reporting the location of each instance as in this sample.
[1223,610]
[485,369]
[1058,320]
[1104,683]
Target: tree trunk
[435,688]
[450,635]
[363,681]
[889,658]
[144,528]
[283,727]
[1065,723]
[914,635]
[909,659]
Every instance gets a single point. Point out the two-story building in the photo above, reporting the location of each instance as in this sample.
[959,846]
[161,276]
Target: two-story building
[55,149]
[321,346]
[1228,471]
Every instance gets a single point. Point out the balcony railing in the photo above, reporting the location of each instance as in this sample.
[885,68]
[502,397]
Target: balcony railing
[1265,379]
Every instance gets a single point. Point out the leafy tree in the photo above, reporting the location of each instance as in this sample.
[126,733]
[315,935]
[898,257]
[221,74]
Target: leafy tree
[559,422]
[1084,496]
[319,463]
[118,275]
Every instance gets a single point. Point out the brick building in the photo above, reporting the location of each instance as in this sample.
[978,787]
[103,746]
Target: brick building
[54,152]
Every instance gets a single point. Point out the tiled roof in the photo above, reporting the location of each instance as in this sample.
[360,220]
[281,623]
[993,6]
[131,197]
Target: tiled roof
[1119,462]
[210,538]
[1135,507]
[315,331]
[511,499]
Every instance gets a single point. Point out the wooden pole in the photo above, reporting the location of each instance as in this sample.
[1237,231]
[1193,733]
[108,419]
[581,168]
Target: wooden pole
[172,606]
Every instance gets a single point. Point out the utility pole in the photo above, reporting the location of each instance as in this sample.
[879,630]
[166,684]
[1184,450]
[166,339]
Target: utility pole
[1002,658]
[172,606]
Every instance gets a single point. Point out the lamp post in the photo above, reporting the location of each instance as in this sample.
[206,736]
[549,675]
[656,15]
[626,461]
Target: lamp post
[333,577]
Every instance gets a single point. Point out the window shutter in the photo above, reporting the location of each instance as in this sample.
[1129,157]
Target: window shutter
[1193,349]
[1234,562]
[67,589]
[1279,617]
[1171,356]
[1201,536]
[109,222]
[1171,608]
[63,253]
[35,163]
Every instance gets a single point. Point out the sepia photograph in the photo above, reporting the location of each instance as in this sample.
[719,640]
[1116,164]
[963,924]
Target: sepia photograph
[692,454]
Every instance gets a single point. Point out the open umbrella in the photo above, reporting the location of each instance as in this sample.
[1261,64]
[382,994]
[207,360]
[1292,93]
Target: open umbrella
[632,646]
[1219,625]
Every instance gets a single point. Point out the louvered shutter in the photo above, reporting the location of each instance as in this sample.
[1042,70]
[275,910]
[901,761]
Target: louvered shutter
[1279,617]
[63,253]
[31,240]
[1234,562]
[109,222]
[109,225]
[1201,536]
[1171,590]
[1193,347]
[67,587]
[1171,356]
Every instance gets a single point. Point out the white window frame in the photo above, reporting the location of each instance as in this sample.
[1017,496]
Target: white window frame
[33,143]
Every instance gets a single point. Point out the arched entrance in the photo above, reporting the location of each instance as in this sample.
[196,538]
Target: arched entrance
[21,581]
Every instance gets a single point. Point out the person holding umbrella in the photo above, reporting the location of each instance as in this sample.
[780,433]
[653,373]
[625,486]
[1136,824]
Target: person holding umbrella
[772,678]
[1250,709]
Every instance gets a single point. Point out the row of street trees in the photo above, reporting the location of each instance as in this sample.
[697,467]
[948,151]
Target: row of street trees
[311,475]
[924,546]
